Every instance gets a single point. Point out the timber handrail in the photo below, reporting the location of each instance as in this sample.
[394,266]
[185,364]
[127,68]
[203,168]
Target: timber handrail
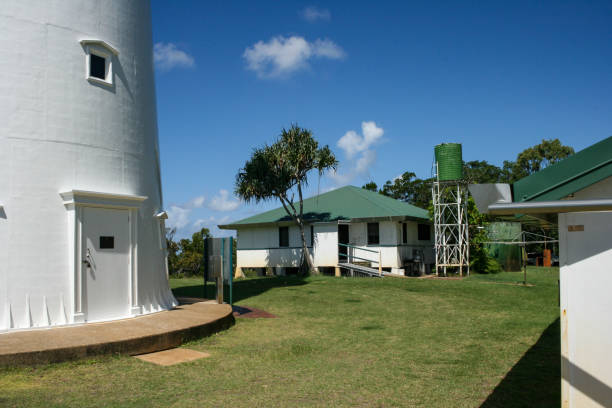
[360,248]
[379,252]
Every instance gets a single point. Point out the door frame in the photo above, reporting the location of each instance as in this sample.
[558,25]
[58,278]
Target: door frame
[342,249]
[75,201]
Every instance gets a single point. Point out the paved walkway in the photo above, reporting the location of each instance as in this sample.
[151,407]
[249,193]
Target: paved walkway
[138,335]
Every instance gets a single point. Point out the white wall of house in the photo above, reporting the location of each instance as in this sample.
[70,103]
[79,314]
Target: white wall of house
[394,252]
[586,329]
[585,247]
[326,244]
[258,247]
[597,191]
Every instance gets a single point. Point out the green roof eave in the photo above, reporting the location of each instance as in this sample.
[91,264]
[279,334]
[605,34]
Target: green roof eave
[568,176]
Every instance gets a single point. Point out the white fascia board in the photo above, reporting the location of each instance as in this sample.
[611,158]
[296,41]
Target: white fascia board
[101,199]
[100,43]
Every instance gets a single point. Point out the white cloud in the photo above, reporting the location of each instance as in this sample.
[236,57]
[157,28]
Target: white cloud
[168,56]
[282,56]
[353,143]
[313,14]
[178,217]
[363,164]
[223,202]
[212,224]
[197,202]
[360,156]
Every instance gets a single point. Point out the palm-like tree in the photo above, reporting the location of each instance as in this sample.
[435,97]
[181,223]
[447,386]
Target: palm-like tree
[280,169]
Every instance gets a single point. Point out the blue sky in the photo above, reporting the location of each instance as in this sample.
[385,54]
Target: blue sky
[380,82]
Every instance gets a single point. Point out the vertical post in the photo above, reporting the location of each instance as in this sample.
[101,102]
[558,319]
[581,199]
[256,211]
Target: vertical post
[230,266]
[205,262]
[460,221]
[220,277]
[524,256]
[380,261]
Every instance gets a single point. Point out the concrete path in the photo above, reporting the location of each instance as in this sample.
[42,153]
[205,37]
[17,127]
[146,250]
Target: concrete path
[138,335]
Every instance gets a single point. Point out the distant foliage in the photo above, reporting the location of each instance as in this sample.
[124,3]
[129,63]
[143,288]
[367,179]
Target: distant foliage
[185,256]
[536,158]
[371,186]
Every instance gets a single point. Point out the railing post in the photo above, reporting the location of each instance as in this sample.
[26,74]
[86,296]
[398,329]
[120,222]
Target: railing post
[380,261]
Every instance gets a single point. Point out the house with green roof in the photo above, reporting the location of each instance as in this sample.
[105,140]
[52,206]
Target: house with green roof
[346,225]
[576,195]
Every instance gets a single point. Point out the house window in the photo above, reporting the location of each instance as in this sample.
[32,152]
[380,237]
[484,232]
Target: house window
[373,235]
[424,232]
[283,236]
[404,233]
[312,236]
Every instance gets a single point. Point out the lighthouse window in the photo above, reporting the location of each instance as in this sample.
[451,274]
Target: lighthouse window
[99,57]
[97,66]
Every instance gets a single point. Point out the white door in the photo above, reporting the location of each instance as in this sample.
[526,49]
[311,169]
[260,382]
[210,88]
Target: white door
[106,263]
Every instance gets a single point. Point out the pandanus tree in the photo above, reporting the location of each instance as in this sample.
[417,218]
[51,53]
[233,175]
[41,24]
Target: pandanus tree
[280,170]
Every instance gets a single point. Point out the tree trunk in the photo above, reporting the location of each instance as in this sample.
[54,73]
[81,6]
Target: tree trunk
[306,252]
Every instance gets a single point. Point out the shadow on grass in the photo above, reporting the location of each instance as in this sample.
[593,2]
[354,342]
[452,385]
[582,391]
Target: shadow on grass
[242,289]
[535,381]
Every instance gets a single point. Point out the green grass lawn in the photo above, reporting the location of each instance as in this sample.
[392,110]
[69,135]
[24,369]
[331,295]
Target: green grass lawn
[482,341]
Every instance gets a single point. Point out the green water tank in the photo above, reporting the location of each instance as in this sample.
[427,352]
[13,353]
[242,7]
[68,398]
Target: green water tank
[450,161]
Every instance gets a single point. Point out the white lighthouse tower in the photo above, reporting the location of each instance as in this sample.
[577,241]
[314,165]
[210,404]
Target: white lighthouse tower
[81,217]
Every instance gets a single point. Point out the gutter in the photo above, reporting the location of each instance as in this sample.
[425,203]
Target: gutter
[549,207]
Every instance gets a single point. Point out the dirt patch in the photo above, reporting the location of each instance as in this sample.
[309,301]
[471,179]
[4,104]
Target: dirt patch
[251,312]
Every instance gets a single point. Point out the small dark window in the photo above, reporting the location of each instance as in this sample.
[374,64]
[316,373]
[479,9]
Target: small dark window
[107,242]
[404,233]
[283,236]
[373,235]
[97,66]
[424,232]
[312,235]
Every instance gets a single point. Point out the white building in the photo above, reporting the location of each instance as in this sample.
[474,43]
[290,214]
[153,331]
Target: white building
[576,193]
[81,219]
[349,224]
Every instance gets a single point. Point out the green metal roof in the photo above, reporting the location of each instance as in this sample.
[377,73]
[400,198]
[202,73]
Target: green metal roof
[346,203]
[570,175]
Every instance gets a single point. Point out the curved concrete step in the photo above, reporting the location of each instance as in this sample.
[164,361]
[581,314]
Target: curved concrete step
[137,335]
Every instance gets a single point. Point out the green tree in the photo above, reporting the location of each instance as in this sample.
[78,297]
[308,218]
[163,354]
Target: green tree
[410,189]
[371,186]
[536,158]
[173,250]
[480,261]
[186,254]
[278,170]
[479,172]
